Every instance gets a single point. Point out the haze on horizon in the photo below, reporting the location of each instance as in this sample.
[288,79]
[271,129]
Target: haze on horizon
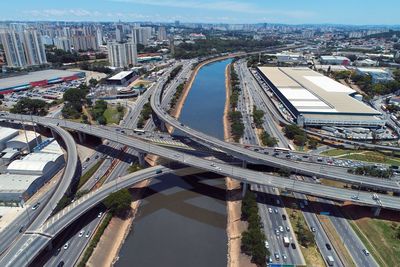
[365,12]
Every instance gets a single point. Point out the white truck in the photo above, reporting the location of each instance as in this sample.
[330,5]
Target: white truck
[330,260]
[286,241]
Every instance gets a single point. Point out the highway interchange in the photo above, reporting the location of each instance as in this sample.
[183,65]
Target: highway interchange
[80,206]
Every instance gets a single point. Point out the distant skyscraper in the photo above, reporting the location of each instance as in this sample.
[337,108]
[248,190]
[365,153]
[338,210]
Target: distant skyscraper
[85,43]
[99,36]
[141,35]
[162,34]
[122,55]
[177,23]
[63,43]
[119,33]
[23,48]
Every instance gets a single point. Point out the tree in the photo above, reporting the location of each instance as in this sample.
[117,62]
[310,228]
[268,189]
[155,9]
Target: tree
[93,82]
[118,202]
[30,106]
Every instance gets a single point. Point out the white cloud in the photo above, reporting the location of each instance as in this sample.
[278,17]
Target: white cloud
[231,6]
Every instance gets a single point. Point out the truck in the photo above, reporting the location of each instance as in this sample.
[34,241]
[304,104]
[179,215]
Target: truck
[330,260]
[286,241]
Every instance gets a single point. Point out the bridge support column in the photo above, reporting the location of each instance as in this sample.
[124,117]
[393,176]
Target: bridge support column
[82,137]
[49,246]
[53,134]
[141,156]
[244,164]
[244,189]
[376,211]
[163,128]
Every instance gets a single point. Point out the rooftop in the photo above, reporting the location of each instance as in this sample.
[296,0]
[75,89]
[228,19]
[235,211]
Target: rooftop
[121,75]
[30,135]
[5,133]
[311,92]
[16,182]
[34,77]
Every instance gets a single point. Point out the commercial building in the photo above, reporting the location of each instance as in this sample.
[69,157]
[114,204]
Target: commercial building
[377,75]
[23,48]
[316,100]
[25,141]
[37,78]
[287,57]
[25,176]
[335,60]
[122,55]
[122,78]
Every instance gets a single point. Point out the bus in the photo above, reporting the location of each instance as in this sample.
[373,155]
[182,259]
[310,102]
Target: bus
[281,149]
[139,130]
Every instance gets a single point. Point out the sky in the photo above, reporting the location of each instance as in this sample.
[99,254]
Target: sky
[358,12]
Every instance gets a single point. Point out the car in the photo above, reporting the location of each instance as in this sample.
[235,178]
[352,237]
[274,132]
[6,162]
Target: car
[277,231]
[269,210]
[276,254]
[99,215]
[287,228]
[293,245]
[313,229]
[281,229]
[60,264]
[87,234]
[366,252]
[355,197]
[284,217]
[66,245]
[284,257]
[269,259]
[158,171]
[81,233]
[328,247]
[96,157]
[57,251]
[34,207]
[21,229]
[276,210]
[212,164]
[266,244]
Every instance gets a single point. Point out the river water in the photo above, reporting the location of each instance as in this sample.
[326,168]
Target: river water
[182,220]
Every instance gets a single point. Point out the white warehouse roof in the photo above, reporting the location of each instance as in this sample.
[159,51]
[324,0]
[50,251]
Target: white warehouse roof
[121,75]
[30,135]
[28,166]
[16,182]
[52,147]
[7,133]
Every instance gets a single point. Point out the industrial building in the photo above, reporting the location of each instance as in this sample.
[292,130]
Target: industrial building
[316,100]
[23,177]
[122,78]
[38,78]
[335,60]
[377,75]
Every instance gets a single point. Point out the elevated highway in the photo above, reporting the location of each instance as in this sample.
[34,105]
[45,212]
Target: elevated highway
[247,155]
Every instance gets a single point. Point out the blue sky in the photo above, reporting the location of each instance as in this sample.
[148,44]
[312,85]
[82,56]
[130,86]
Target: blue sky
[225,11]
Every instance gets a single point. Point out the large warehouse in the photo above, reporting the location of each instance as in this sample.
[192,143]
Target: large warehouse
[37,78]
[316,100]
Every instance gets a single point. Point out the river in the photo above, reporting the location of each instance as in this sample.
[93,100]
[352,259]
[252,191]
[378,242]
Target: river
[182,220]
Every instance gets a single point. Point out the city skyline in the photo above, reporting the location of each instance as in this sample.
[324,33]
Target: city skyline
[230,11]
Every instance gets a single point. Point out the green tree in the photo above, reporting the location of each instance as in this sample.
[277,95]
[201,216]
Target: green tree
[118,202]
[30,106]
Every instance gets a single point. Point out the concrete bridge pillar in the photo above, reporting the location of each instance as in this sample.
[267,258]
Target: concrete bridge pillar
[50,246]
[141,156]
[82,137]
[53,134]
[244,164]
[244,189]
[162,126]
[376,211]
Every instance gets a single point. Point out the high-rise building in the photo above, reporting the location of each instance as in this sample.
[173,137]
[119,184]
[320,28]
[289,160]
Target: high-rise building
[85,43]
[23,48]
[162,34]
[63,43]
[122,55]
[119,33]
[99,36]
[141,35]
[34,48]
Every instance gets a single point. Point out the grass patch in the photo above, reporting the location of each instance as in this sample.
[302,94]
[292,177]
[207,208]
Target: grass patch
[363,155]
[311,254]
[134,168]
[380,233]
[96,238]
[112,115]
[84,178]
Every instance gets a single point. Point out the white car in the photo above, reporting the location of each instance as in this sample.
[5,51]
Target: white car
[81,233]
[266,244]
[269,210]
[100,214]
[87,234]
[281,229]
[66,245]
